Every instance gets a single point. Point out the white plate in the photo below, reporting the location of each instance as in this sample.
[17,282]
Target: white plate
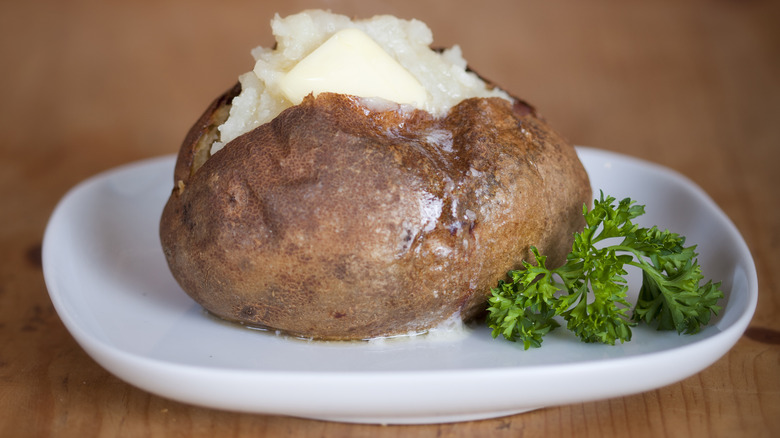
[112,289]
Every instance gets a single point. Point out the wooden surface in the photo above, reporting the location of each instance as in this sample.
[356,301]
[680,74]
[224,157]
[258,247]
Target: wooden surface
[87,86]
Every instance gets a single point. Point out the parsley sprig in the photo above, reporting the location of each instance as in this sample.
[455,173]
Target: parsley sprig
[589,292]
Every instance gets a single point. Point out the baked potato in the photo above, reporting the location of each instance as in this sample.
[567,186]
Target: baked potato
[340,219]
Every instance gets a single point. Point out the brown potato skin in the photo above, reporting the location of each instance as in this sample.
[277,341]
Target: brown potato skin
[332,222]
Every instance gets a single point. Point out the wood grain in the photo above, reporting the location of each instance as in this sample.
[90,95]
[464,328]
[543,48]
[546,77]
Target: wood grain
[89,85]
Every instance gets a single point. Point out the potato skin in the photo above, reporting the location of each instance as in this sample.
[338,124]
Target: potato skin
[333,222]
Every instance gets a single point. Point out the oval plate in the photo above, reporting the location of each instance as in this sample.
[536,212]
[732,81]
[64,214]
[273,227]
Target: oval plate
[110,285]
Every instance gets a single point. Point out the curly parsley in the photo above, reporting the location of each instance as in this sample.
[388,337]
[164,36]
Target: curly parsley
[589,291]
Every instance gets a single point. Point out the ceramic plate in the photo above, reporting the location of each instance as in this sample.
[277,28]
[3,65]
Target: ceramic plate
[111,287]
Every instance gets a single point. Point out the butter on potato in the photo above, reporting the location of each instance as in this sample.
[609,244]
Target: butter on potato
[350,62]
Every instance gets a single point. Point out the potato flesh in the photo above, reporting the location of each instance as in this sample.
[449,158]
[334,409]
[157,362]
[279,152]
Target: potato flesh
[443,74]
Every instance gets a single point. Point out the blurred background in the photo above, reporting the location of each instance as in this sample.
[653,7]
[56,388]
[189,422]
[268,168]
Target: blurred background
[116,81]
[87,85]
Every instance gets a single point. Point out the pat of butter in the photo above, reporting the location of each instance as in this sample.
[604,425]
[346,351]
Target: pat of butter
[350,62]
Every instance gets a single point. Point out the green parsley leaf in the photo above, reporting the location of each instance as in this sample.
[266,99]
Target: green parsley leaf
[589,292]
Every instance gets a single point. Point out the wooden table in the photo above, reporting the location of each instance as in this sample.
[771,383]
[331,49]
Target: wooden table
[89,85]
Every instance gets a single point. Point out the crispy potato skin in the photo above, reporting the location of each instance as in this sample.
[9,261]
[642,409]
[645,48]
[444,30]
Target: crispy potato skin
[333,222]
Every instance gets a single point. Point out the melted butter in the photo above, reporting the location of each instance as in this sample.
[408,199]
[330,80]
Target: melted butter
[350,62]
[450,330]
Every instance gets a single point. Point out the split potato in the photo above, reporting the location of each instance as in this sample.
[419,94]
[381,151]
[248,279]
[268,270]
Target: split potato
[336,222]
[346,217]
